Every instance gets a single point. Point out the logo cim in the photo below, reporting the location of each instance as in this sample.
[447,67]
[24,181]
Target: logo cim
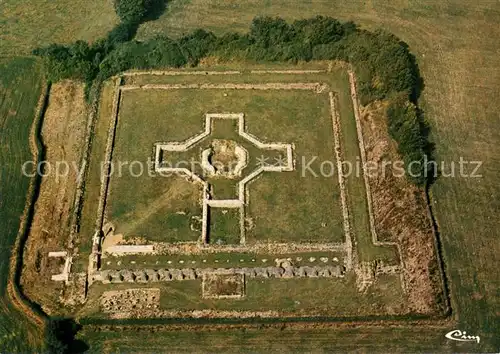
[461,336]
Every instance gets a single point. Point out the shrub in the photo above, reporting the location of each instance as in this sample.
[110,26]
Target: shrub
[318,30]
[131,11]
[165,52]
[60,335]
[123,32]
[75,61]
[268,31]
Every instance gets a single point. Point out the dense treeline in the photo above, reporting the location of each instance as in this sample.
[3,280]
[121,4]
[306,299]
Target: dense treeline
[406,127]
[384,66]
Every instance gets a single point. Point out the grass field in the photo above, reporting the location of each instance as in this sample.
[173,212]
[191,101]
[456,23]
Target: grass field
[296,297]
[20,85]
[26,24]
[298,117]
[276,340]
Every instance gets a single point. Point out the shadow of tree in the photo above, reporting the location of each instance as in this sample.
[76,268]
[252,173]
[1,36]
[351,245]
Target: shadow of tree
[155,9]
[60,336]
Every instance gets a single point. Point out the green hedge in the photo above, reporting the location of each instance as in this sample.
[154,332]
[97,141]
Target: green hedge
[132,11]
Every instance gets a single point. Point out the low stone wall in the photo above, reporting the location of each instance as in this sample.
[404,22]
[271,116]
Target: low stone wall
[341,177]
[179,72]
[122,250]
[292,72]
[307,86]
[161,275]
[85,157]
[194,248]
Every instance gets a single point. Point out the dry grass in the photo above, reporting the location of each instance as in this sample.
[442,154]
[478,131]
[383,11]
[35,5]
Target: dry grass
[218,259]
[401,214]
[62,135]
[224,226]
[25,24]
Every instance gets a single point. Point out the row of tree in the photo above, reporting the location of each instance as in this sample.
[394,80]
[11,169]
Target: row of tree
[383,64]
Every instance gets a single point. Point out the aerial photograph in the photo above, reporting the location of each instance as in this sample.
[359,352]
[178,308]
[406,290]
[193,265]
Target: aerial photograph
[249,176]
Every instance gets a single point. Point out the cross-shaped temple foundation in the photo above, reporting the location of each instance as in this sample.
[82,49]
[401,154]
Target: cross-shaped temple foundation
[223,159]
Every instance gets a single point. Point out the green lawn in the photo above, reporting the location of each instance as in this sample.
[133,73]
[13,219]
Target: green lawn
[93,181]
[329,297]
[224,226]
[298,117]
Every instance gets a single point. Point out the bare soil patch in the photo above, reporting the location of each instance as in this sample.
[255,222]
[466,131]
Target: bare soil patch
[400,212]
[130,302]
[223,285]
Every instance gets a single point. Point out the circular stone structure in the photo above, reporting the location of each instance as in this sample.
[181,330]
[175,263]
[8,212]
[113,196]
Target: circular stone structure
[224,158]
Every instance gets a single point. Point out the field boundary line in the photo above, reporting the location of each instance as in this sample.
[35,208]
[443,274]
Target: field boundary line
[306,86]
[362,152]
[343,198]
[94,259]
[85,157]
[439,254]
[298,72]
[314,322]
[192,248]
[179,72]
